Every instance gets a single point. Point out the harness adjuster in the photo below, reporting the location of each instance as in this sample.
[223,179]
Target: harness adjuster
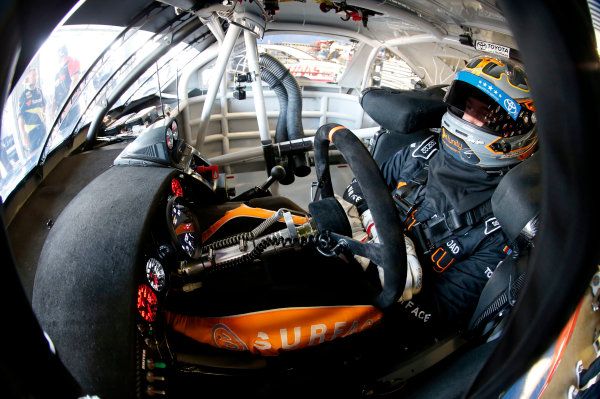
[455,221]
[405,206]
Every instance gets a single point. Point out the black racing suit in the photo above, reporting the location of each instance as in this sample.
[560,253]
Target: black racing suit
[456,261]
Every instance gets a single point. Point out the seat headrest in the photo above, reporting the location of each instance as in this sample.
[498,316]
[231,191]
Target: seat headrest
[404,111]
[516,200]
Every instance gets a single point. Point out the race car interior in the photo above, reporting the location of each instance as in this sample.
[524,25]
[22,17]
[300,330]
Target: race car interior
[196,242]
[211,254]
[194,261]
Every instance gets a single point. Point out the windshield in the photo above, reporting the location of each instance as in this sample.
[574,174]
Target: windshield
[40,95]
[314,58]
[67,82]
[389,70]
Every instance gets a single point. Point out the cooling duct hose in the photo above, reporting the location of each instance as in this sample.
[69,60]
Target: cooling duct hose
[294,107]
[276,85]
[281,133]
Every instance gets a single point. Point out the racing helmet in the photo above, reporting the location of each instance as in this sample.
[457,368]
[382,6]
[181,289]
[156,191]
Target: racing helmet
[490,121]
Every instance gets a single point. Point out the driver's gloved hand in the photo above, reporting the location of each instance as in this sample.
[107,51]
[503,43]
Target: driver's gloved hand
[354,195]
[414,273]
[363,229]
[358,232]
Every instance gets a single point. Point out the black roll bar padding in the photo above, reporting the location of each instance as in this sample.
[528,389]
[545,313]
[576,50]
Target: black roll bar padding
[378,198]
[178,36]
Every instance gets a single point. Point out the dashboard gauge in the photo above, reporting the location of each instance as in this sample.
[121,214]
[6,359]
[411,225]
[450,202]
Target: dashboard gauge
[176,188]
[155,274]
[165,252]
[183,226]
[175,130]
[169,138]
[147,303]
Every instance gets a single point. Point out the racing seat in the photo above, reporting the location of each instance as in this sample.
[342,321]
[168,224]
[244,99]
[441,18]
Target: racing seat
[516,205]
[405,116]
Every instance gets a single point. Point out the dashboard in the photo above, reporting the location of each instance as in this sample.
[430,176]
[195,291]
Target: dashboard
[160,145]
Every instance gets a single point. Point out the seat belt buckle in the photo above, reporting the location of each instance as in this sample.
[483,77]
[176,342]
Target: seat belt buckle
[404,206]
[419,234]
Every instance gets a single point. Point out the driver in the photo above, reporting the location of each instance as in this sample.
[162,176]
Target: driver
[443,185]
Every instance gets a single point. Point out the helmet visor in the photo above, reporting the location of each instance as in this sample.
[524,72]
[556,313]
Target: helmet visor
[485,105]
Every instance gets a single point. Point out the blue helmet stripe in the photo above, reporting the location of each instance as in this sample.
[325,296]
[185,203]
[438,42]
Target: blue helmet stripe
[504,100]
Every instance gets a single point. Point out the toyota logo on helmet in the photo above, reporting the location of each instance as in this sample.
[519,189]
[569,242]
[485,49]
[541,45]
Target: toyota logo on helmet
[490,120]
[510,106]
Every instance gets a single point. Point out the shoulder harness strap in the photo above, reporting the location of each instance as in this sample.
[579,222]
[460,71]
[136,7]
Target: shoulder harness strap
[440,228]
[406,196]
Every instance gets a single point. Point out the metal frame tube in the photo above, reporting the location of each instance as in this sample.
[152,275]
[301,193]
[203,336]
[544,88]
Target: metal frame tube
[259,99]
[208,55]
[221,65]
[367,71]
[256,152]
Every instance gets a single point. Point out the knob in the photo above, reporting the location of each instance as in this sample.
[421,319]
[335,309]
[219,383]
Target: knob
[277,172]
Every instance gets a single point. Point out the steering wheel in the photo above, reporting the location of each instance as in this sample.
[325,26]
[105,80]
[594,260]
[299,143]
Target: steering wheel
[390,253]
